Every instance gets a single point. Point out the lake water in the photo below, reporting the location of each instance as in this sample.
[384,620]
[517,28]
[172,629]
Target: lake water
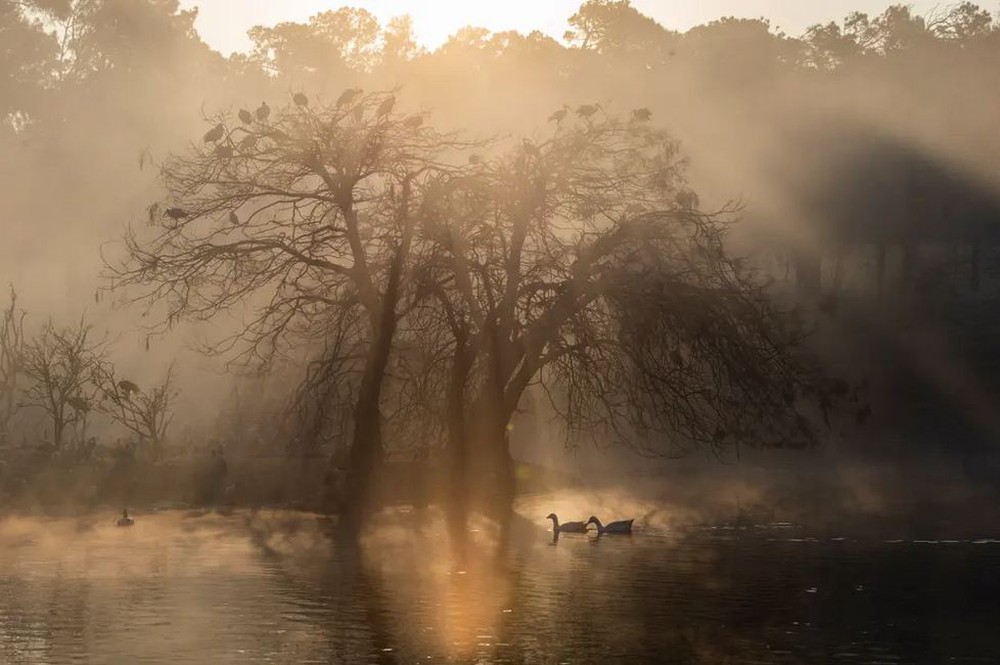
[270,588]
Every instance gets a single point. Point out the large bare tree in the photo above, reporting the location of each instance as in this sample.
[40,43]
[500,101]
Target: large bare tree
[307,216]
[581,265]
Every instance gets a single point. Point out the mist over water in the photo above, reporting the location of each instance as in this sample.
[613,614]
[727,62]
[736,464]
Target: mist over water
[269,587]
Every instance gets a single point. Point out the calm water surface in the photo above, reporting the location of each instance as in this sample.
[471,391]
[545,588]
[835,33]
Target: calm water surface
[270,588]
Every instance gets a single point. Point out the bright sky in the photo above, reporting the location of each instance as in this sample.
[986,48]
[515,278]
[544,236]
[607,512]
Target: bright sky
[224,23]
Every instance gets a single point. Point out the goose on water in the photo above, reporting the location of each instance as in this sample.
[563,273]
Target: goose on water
[125,519]
[622,527]
[566,527]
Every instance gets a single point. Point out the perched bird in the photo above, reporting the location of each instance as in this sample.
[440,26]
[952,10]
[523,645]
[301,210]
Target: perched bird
[263,112]
[127,387]
[475,159]
[620,528]
[245,117]
[214,134]
[347,96]
[686,199]
[125,519]
[558,116]
[641,115]
[248,142]
[79,404]
[413,122]
[233,218]
[385,108]
[587,110]
[567,527]
[224,151]
[300,99]
[176,213]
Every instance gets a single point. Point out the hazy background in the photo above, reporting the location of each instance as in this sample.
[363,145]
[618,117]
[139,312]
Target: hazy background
[840,152]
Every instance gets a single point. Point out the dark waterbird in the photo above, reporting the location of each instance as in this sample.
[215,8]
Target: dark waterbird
[566,527]
[245,117]
[263,112]
[175,213]
[620,528]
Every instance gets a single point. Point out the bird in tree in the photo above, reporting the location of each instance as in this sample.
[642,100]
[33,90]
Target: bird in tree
[79,404]
[300,99]
[558,116]
[385,108]
[347,96]
[263,112]
[641,115]
[224,151]
[176,213]
[413,122]
[215,133]
[127,388]
[245,117]
[248,142]
[233,218]
[587,110]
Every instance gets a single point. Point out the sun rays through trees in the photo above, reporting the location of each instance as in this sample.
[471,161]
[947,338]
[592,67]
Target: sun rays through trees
[429,282]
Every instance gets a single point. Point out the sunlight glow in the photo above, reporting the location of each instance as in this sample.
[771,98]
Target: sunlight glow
[223,24]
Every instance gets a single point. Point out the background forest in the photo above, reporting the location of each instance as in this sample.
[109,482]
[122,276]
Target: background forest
[854,165]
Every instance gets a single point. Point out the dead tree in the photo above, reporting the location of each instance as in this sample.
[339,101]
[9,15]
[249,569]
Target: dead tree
[307,216]
[11,363]
[145,413]
[59,365]
[580,267]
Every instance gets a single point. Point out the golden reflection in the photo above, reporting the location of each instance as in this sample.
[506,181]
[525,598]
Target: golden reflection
[462,601]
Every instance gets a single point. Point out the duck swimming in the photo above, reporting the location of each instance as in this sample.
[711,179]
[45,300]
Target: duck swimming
[125,519]
[620,528]
[566,527]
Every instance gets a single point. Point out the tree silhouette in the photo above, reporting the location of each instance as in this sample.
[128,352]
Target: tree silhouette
[327,200]
[59,364]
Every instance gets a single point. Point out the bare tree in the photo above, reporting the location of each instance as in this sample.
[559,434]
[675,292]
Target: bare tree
[582,266]
[310,218]
[11,361]
[59,364]
[146,413]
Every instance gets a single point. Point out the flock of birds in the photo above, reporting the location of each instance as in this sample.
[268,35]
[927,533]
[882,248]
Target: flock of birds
[619,528]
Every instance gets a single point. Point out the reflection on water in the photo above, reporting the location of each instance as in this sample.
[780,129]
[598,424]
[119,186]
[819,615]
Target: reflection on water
[179,588]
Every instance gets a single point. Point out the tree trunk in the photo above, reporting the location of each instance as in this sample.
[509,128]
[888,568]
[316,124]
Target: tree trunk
[366,454]
[457,499]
